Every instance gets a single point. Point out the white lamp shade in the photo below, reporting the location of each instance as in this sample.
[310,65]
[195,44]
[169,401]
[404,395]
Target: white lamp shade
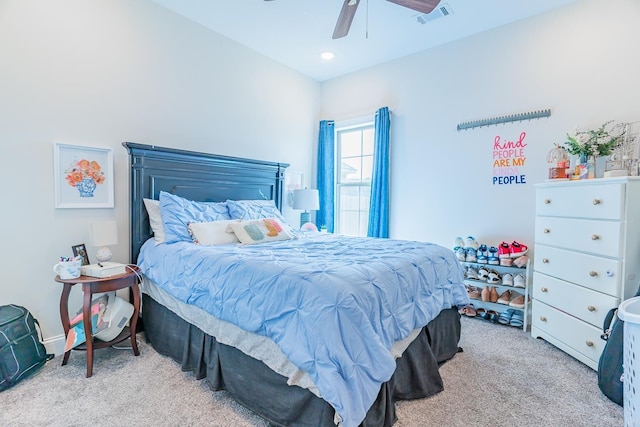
[307,199]
[104,233]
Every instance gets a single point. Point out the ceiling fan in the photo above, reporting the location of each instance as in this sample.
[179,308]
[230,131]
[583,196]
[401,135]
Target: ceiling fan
[349,10]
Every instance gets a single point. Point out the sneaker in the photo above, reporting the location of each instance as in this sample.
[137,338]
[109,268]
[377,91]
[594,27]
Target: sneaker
[507,262]
[507,279]
[471,255]
[518,249]
[517,301]
[471,273]
[519,281]
[470,243]
[504,250]
[494,278]
[520,261]
[505,297]
[482,254]
[483,273]
[461,254]
[459,244]
[493,258]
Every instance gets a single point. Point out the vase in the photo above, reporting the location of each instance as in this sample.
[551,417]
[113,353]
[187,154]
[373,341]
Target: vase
[86,187]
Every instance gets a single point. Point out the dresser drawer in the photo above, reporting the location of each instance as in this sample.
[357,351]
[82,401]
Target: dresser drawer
[573,332]
[597,273]
[603,201]
[585,235]
[583,303]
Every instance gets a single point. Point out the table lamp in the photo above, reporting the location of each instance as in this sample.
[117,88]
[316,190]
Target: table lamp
[308,200]
[103,235]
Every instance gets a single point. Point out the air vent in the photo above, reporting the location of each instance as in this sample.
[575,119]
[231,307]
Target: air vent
[439,12]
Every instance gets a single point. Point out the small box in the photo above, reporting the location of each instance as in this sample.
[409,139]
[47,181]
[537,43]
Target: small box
[104,269]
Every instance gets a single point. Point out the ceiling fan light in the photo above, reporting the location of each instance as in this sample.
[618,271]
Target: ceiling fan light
[327,56]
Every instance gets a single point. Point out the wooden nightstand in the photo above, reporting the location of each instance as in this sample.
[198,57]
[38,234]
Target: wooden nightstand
[90,286]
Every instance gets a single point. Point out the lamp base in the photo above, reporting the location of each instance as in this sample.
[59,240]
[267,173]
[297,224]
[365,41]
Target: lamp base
[304,218]
[103,254]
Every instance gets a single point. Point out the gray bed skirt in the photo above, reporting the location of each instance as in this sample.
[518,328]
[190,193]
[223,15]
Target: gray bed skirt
[266,393]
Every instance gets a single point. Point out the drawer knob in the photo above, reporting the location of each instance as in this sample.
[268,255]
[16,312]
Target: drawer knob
[595,237]
[545,260]
[544,319]
[544,289]
[546,231]
[596,201]
[591,308]
[589,343]
[547,201]
[593,273]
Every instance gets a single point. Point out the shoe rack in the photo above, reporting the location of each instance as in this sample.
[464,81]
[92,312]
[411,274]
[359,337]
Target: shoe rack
[501,288]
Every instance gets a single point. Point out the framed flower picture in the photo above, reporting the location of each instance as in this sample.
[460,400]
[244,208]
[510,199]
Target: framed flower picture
[83,176]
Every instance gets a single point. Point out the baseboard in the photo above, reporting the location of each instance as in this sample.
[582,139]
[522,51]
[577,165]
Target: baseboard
[55,345]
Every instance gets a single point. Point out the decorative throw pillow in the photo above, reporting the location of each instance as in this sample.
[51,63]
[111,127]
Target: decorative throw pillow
[177,212]
[260,230]
[212,233]
[254,209]
[155,219]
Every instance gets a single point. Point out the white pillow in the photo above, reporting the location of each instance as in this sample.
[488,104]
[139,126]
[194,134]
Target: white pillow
[260,230]
[155,219]
[211,233]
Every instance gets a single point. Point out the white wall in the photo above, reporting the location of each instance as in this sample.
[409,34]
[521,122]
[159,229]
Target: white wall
[106,71]
[580,61]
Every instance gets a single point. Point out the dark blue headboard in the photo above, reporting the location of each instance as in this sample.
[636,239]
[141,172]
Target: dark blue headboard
[195,176]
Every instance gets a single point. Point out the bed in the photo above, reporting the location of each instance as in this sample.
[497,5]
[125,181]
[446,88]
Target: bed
[254,331]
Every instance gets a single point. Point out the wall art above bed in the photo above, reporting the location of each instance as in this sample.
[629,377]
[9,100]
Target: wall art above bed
[83,176]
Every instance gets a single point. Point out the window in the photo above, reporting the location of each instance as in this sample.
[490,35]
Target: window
[354,152]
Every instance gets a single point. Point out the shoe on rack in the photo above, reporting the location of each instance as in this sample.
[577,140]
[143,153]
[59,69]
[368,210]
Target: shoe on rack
[485,294]
[507,262]
[505,316]
[469,310]
[519,281]
[483,273]
[461,254]
[473,292]
[493,295]
[520,261]
[458,244]
[482,254]
[471,273]
[507,279]
[493,278]
[518,301]
[471,255]
[518,249]
[470,243]
[504,250]
[517,319]
[493,257]
[505,298]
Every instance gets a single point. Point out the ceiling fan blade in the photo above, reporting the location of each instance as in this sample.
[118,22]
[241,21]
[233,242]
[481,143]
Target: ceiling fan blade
[347,13]
[424,6]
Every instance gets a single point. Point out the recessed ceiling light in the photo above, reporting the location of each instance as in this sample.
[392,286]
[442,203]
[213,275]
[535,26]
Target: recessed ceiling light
[327,55]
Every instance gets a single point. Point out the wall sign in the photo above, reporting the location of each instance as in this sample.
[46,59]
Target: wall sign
[509,158]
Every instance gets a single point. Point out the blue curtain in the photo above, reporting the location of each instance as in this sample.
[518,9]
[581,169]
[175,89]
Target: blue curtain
[379,203]
[326,175]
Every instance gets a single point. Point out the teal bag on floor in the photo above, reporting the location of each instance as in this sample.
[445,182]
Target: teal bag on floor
[21,352]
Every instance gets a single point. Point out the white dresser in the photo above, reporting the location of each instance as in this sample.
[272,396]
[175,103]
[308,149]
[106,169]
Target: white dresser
[587,260]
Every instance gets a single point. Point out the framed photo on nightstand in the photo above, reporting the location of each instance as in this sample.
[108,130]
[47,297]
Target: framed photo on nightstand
[81,250]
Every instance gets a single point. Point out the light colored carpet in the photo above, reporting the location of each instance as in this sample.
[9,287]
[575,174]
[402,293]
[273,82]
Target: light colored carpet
[503,378]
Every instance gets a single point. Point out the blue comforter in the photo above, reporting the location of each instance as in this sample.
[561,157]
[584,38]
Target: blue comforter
[333,304]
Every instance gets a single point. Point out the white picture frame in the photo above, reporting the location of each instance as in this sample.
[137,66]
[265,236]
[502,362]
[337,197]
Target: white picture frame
[83,177]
